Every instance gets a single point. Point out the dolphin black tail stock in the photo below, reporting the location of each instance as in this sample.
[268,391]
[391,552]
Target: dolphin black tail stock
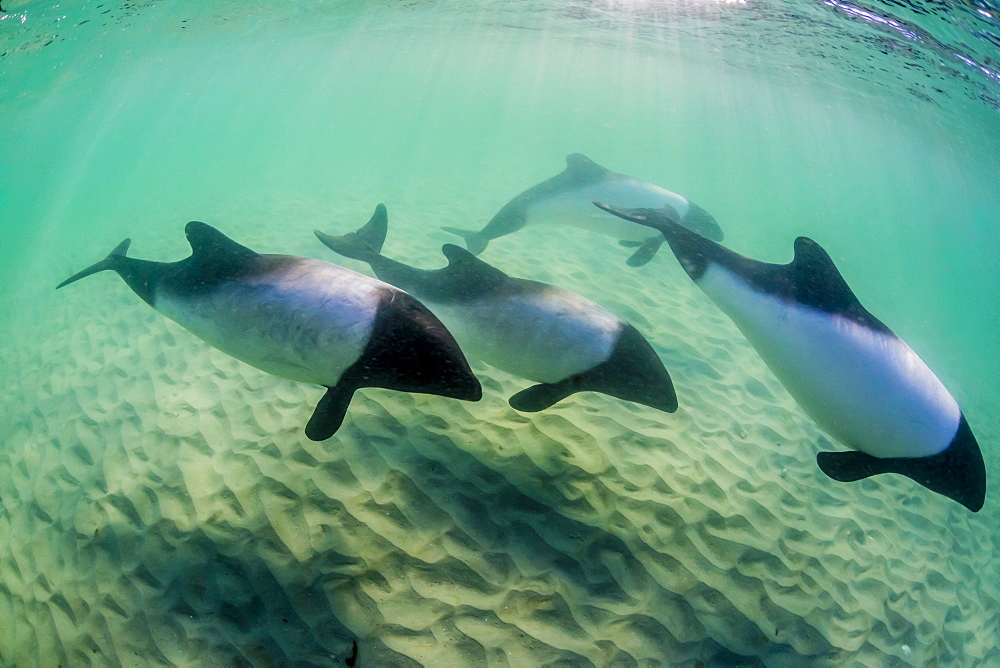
[113,262]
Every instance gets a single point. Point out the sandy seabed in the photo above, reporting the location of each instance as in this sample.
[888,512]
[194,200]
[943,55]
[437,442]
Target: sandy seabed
[160,504]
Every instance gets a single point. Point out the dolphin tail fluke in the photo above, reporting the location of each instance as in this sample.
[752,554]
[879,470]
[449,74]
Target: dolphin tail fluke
[112,262]
[366,243]
[474,241]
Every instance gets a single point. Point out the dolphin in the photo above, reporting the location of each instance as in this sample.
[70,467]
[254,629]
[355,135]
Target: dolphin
[847,370]
[301,319]
[556,338]
[566,198]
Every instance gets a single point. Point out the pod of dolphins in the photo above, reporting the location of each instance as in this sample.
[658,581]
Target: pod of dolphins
[409,330]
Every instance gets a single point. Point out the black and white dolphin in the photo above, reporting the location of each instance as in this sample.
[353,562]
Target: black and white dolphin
[848,371]
[302,319]
[554,337]
[566,198]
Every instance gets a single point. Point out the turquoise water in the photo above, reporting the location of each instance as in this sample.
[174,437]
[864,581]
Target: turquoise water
[872,128]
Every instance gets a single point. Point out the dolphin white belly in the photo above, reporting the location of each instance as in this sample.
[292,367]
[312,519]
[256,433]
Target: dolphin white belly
[866,388]
[307,320]
[543,336]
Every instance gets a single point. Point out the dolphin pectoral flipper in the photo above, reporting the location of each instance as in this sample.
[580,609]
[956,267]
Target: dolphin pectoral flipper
[852,465]
[957,472]
[329,413]
[646,251]
[539,397]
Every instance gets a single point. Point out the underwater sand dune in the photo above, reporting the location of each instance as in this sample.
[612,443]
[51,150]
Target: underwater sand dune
[162,506]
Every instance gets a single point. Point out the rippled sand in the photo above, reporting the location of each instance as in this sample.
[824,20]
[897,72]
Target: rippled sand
[159,503]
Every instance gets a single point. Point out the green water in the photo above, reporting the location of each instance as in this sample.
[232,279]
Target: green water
[272,119]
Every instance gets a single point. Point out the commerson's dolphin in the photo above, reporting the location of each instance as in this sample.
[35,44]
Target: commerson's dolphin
[566,199]
[539,332]
[302,319]
[848,371]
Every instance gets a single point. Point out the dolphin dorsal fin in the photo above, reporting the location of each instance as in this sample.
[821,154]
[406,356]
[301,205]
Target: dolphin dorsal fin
[818,284]
[212,248]
[581,169]
[459,258]
[465,266]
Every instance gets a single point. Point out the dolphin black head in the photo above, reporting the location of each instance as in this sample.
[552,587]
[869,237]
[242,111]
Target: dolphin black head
[693,251]
[409,350]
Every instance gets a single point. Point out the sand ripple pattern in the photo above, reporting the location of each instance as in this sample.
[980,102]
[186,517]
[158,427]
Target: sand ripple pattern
[159,505]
